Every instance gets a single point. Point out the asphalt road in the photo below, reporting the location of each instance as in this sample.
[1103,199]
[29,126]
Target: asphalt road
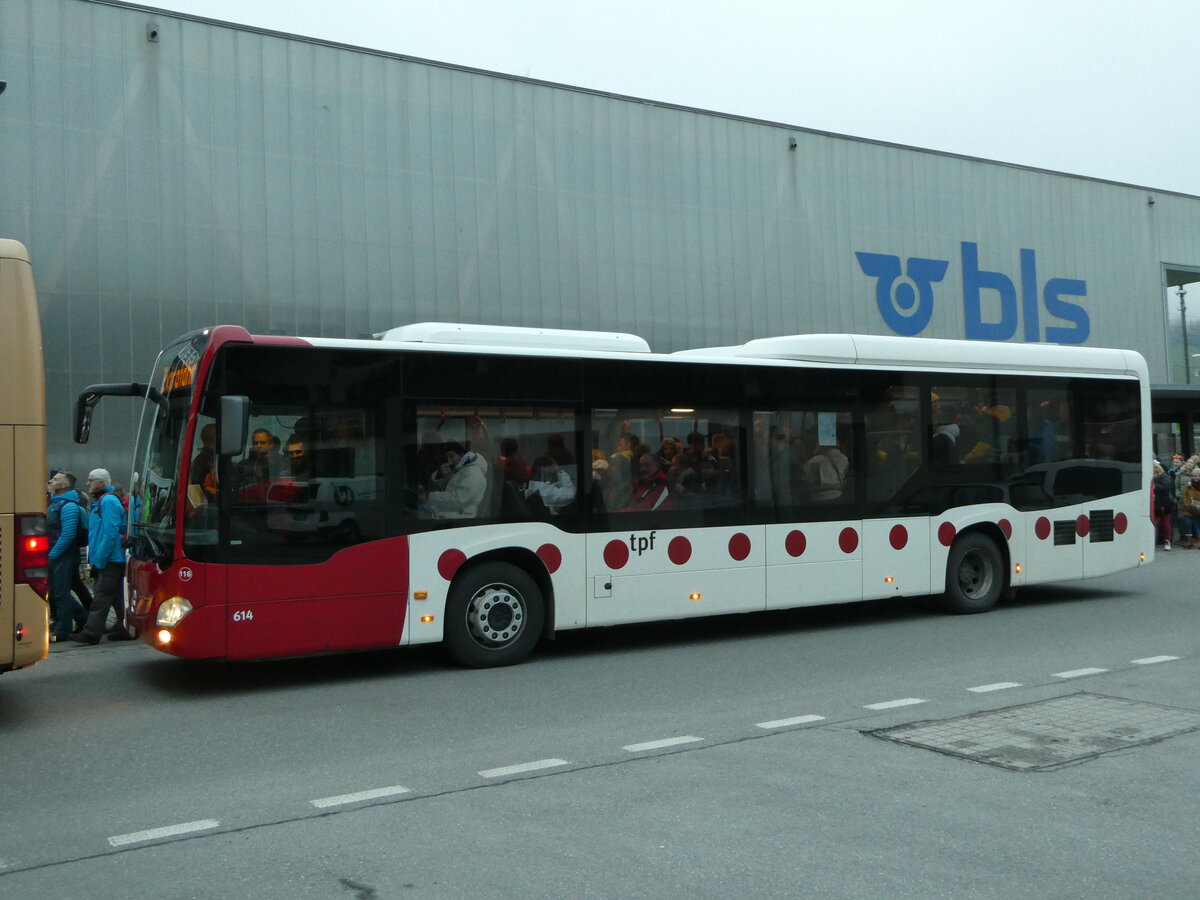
[716,758]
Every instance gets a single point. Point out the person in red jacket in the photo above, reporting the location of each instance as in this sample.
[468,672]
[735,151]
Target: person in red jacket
[651,490]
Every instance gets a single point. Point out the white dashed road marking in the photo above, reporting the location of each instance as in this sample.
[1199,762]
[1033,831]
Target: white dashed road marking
[893,704]
[524,767]
[154,834]
[998,686]
[1078,673]
[358,797]
[665,742]
[1151,660]
[785,723]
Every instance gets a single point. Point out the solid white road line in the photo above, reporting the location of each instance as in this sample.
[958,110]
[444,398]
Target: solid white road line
[154,834]
[1078,673]
[892,704]
[359,796]
[785,723]
[998,686]
[523,767]
[1151,660]
[665,742]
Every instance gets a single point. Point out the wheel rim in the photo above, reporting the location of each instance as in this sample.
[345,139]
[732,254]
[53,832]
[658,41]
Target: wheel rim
[975,575]
[496,615]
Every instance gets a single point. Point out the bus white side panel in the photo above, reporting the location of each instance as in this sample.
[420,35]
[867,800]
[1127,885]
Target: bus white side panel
[1047,560]
[642,576]
[813,564]
[895,558]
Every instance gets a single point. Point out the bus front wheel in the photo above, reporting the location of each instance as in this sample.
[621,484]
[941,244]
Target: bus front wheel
[974,575]
[494,616]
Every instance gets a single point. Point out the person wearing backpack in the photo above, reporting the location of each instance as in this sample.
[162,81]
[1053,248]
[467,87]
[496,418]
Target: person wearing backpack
[66,524]
[78,588]
[106,555]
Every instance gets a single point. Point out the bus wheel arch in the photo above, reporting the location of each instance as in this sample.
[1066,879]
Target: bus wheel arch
[976,572]
[496,611]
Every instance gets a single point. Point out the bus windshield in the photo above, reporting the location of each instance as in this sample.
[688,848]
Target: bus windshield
[156,458]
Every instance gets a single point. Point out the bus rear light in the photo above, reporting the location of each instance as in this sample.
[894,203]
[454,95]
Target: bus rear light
[20,631]
[1017,568]
[427,619]
[693,597]
[164,637]
[33,552]
[888,579]
[171,612]
[421,595]
[1141,557]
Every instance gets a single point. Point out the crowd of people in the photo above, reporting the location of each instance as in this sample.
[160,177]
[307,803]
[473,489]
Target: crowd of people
[698,473]
[453,482]
[1176,487]
[94,518]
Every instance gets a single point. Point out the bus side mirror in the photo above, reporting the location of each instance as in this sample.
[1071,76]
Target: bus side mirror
[233,425]
[85,405]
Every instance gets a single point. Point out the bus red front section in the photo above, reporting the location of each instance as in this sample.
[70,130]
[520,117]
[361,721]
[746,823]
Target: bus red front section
[355,600]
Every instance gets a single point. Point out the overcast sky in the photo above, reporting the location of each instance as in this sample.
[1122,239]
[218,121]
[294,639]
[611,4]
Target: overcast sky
[1093,87]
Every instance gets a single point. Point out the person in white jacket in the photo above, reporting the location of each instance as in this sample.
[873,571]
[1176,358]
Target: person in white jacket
[458,486]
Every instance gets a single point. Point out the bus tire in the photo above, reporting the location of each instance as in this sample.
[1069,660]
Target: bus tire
[974,575]
[494,616]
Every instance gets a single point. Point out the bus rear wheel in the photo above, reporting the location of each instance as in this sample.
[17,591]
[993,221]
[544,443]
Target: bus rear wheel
[974,575]
[494,616]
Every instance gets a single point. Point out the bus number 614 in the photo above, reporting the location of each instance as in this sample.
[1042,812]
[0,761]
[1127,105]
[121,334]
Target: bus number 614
[243,615]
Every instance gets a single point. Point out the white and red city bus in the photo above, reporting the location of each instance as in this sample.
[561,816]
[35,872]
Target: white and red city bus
[479,486]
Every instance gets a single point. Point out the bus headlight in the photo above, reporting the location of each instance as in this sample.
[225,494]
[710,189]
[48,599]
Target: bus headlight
[172,611]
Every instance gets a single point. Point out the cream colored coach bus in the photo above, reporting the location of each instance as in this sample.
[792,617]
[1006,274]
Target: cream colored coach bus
[24,546]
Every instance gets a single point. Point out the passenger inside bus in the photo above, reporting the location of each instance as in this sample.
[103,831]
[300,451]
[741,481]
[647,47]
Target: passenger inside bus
[260,464]
[298,458]
[650,491]
[458,486]
[552,484]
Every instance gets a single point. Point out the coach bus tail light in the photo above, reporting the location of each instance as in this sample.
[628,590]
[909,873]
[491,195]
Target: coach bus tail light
[171,612]
[33,553]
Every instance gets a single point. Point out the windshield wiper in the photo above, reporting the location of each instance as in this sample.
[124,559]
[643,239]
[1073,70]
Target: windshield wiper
[142,536]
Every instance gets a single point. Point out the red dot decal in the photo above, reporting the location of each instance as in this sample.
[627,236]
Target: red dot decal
[795,543]
[1120,523]
[1042,528]
[1082,526]
[616,554]
[739,546]
[848,540]
[898,537]
[946,534]
[1006,527]
[551,556]
[679,550]
[449,562]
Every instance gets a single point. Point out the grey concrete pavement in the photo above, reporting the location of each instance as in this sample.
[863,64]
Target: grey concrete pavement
[117,741]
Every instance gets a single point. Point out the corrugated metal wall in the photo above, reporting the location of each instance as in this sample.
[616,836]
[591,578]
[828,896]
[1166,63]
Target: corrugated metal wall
[224,175]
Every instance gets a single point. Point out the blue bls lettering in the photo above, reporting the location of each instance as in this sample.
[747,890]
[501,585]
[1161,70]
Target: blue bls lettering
[976,280]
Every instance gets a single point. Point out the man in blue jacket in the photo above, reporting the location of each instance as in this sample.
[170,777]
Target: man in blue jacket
[106,556]
[63,525]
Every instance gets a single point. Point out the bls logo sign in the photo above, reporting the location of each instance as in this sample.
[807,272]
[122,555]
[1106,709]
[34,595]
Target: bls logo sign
[906,300]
